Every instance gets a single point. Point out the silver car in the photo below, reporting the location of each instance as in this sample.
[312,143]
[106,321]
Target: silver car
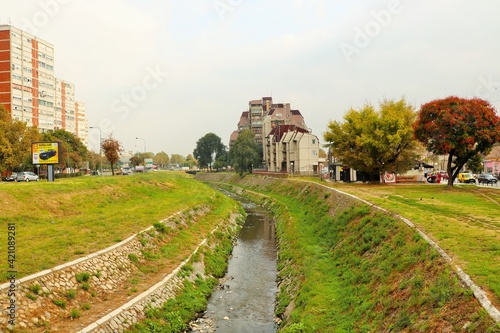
[26,176]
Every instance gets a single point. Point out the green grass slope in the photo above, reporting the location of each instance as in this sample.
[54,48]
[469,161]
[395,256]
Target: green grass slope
[69,218]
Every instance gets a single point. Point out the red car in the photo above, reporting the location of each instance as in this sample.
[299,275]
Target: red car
[432,178]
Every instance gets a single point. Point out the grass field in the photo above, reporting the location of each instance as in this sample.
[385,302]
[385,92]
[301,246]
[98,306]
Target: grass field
[60,221]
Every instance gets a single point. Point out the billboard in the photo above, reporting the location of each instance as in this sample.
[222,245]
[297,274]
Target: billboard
[45,152]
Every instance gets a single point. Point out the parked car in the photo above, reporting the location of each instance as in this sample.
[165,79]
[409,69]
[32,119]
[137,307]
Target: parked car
[466,177]
[126,171]
[48,154]
[11,178]
[486,179]
[26,176]
[432,178]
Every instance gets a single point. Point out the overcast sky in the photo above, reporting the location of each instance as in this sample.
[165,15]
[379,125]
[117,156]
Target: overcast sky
[171,71]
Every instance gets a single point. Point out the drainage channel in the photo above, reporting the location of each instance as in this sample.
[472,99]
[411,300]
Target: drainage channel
[244,301]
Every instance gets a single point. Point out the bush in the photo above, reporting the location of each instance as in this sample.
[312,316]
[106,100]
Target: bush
[59,303]
[75,313]
[160,227]
[132,257]
[82,277]
[36,288]
[71,294]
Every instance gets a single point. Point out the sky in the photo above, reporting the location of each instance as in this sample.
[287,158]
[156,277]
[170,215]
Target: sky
[169,72]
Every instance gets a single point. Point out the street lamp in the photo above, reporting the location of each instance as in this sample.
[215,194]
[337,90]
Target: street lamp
[137,138]
[100,145]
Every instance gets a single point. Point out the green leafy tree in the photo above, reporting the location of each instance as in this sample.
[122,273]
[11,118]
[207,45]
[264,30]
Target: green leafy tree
[374,141]
[161,159]
[245,152]
[191,161]
[475,164]
[177,159]
[221,162]
[136,159]
[208,149]
[458,127]
[112,150]
[15,142]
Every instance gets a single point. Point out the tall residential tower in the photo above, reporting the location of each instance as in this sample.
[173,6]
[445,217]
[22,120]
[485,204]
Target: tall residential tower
[28,88]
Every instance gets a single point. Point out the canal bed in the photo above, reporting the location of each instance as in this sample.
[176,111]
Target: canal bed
[244,301]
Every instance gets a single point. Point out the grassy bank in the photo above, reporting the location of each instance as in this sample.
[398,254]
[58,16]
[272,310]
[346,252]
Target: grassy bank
[346,268]
[69,218]
[464,221]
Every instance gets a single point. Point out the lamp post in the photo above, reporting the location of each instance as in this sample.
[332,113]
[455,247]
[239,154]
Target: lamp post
[100,146]
[137,138]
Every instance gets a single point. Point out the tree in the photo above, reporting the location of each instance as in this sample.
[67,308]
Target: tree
[15,142]
[245,152]
[475,164]
[136,159]
[112,150]
[191,161]
[177,159]
[161,159]
[94,160]
[458,127]
[375,141]
[208,149]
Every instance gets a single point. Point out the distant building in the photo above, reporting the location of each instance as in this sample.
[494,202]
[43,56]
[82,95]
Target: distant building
[81,123]
[287,143]
[29,89]
[491,163]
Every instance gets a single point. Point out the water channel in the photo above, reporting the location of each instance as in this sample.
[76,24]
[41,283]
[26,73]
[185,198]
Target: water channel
[244,301]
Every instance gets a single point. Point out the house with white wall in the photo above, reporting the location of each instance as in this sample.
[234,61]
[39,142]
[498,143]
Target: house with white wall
[291,149]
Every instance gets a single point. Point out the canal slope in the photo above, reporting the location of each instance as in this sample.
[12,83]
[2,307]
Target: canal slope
[346,267]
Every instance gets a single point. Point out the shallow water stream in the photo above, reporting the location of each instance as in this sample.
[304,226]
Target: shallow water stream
[244,301]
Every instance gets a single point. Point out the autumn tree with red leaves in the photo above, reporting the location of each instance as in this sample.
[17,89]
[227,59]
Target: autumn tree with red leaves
[112,150]
[458,127]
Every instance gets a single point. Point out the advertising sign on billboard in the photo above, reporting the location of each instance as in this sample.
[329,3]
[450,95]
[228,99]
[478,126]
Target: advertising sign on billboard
[45,152]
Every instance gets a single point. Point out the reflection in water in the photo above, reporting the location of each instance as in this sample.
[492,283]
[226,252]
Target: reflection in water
[246,302]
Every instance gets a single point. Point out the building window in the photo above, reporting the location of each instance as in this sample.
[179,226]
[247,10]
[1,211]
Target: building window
[314,141]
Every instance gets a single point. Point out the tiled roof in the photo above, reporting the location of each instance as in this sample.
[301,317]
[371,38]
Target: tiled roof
[233,136]
[281,130]
[495,153]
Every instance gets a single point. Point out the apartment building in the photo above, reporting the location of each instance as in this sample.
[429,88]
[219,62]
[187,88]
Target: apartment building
[262,115]
[81,123]
[287,143]
[28,87]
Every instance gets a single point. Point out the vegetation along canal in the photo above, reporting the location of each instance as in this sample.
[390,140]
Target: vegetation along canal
[244,301]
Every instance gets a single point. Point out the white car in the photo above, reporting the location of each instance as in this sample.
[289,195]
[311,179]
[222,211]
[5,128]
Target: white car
[26,176]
